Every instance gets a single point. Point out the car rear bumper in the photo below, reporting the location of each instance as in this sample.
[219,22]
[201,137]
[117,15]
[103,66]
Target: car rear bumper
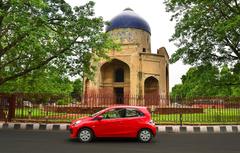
[155,129]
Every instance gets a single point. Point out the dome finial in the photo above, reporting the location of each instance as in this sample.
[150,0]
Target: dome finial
[128,9]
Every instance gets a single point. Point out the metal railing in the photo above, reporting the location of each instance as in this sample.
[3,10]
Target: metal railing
[174,110]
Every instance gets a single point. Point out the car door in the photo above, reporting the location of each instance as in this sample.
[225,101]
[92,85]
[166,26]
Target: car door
[110,125]
[132,122]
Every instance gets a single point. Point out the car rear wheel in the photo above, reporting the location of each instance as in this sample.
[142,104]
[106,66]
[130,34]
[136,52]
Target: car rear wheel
[145,135]
[85,135]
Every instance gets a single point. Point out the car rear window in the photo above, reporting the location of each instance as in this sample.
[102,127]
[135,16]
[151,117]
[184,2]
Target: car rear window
[133,113]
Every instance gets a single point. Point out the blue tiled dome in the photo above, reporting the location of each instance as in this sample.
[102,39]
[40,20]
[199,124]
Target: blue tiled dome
[128,19]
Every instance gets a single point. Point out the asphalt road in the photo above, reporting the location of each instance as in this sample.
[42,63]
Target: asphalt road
[19,141]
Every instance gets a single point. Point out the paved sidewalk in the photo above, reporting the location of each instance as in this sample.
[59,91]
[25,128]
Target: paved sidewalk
[161,128]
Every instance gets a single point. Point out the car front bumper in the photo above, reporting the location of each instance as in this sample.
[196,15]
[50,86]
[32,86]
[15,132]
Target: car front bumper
[73,131]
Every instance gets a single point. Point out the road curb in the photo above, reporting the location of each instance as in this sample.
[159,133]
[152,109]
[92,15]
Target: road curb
[161,128]
[200,129]
[34,126]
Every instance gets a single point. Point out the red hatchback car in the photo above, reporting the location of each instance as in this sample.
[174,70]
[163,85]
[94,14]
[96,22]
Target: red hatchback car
[115,121]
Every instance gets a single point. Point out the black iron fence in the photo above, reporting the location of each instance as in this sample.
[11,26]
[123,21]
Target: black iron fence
[164,110]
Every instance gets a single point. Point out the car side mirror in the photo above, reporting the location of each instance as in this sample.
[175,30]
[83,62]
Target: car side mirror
[99,118]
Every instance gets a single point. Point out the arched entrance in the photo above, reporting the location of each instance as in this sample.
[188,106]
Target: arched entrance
[115,80]
[151,86]
[151,91]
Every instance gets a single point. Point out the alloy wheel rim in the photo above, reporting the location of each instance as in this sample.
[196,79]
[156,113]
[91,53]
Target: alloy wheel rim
[85,135]
[145,135]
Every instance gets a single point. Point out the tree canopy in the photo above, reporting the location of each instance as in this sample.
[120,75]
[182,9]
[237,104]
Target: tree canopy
[207,81]
[37,34]
[45,85]
[206,31]
[49,81]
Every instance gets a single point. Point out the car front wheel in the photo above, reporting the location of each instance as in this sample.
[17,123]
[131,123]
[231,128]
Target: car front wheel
[85,135]
[145,135]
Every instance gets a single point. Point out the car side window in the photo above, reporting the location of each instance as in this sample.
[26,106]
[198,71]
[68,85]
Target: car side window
[114,113]
[133,113]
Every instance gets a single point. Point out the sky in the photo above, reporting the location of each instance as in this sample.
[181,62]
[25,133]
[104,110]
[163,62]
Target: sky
[153,11]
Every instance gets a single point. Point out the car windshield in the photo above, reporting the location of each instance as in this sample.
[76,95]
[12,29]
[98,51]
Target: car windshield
[97,113]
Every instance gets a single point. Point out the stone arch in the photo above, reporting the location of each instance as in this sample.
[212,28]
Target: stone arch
[151,86]
[115,80]
[151,91]
[110,69]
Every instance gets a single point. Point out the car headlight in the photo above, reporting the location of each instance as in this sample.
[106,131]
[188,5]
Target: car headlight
[151,122]
[76,123]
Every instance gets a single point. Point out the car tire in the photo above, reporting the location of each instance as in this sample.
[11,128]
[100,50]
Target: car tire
[85,135]
[145,135]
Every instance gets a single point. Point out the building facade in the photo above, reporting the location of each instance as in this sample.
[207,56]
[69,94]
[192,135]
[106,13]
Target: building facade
[134,70]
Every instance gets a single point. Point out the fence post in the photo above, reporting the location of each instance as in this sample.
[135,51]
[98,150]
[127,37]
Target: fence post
[5,112]
[29,114]
[181,119]
[46,117]
[152,110]
[11,109]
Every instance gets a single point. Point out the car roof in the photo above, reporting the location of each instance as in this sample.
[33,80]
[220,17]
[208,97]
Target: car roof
[128,106]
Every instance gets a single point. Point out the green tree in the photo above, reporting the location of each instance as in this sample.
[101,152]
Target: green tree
[208,80]
[41,86]
[49,81]
[198,81]
[177,91]
[77,89]
[37,34]
[225,79]
[236,80]
[206,30]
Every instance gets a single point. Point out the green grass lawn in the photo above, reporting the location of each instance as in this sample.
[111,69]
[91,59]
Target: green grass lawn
[210,116]
[35,113]
[40,114]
